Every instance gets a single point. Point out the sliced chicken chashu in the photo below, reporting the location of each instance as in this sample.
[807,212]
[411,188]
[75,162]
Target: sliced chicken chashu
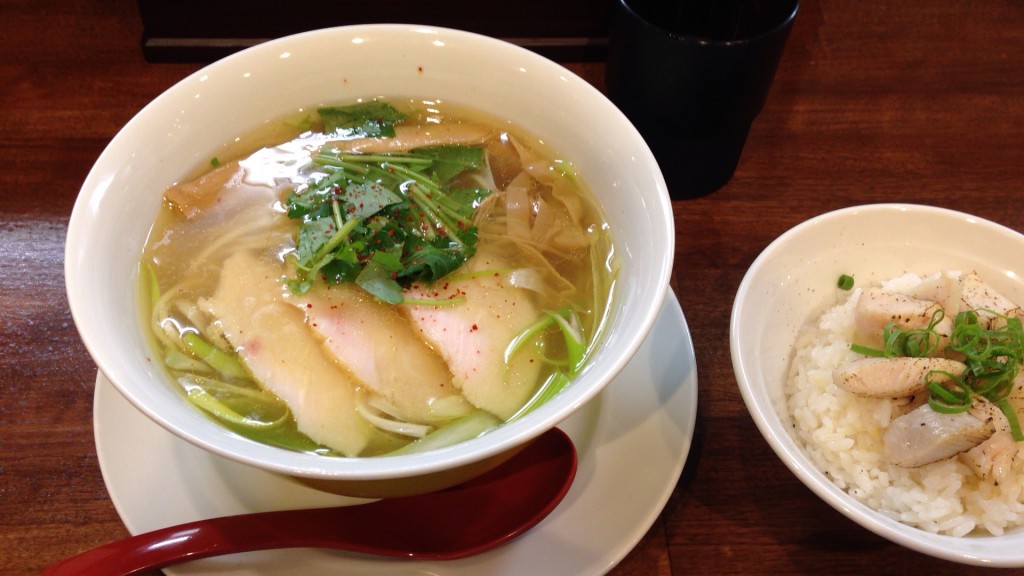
[893,377]
[877,307]
[924,436]
[979,296]
[473,333]
[385,352]
[993,458]
[945,289]
[284,355]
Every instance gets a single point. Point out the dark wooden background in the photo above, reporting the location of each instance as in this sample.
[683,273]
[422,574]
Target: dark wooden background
[875,101]
[560,29]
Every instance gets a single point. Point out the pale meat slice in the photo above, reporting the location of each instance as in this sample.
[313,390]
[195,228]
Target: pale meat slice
[979,296]
[993,458]
[893,377]
[877,307]
[411,137]
[924,436]
[284,355]
[473,333]
[945,289]
[383,350]
[1016,395]
[190,198]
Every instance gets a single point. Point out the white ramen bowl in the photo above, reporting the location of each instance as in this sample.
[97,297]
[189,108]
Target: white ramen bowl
[183,127]
[794,280]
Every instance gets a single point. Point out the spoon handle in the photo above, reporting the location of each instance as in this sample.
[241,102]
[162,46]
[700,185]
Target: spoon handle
[215,537]
[457,522]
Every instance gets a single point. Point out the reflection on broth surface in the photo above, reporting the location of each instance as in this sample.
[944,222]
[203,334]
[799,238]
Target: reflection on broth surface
[374,278]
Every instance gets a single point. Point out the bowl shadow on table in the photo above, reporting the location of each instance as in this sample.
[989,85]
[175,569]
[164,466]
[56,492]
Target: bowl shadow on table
[778,524]
[772,504]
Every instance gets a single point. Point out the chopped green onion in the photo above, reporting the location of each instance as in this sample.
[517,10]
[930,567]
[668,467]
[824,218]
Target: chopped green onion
[1011,418]
[211,404]
[845,282]
[993,357]
[914,343]
[575,344]
[867,351]
[946,400]
[552,386]
[219,360]
[152,282]
[526,336]
[466,428]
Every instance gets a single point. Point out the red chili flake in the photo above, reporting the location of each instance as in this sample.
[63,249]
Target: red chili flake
[474,328]
[309,305]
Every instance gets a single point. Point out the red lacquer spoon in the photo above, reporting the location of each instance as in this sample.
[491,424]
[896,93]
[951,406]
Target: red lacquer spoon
[454,523]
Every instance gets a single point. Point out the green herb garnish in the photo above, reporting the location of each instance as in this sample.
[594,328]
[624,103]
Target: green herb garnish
[845,282]
[993,357]
[568,325]
[383,221]
[915,343]
[368,119]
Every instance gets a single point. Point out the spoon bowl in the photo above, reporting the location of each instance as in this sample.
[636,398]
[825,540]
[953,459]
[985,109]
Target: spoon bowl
[467,519]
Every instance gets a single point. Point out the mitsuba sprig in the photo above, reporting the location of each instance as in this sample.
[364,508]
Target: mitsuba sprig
[384,220]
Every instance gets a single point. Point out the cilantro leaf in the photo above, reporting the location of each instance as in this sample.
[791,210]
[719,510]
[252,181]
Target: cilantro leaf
[383,220]
[370,119]
[312,236]
[379,281]
[366,199]
[448,161]
[465,200]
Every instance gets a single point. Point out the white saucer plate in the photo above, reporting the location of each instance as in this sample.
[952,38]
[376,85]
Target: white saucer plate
[632,439]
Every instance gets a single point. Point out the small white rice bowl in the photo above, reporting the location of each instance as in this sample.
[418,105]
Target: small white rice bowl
[790,327]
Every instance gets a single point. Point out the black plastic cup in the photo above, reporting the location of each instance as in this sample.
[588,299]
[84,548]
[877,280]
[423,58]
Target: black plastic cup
[692,75]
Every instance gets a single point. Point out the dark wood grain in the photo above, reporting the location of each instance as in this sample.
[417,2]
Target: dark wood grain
[876,100]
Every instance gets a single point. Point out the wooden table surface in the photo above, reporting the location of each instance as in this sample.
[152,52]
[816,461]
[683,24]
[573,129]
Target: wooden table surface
[875,101]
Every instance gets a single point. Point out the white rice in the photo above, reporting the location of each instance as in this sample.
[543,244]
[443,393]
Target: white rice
[842,434]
